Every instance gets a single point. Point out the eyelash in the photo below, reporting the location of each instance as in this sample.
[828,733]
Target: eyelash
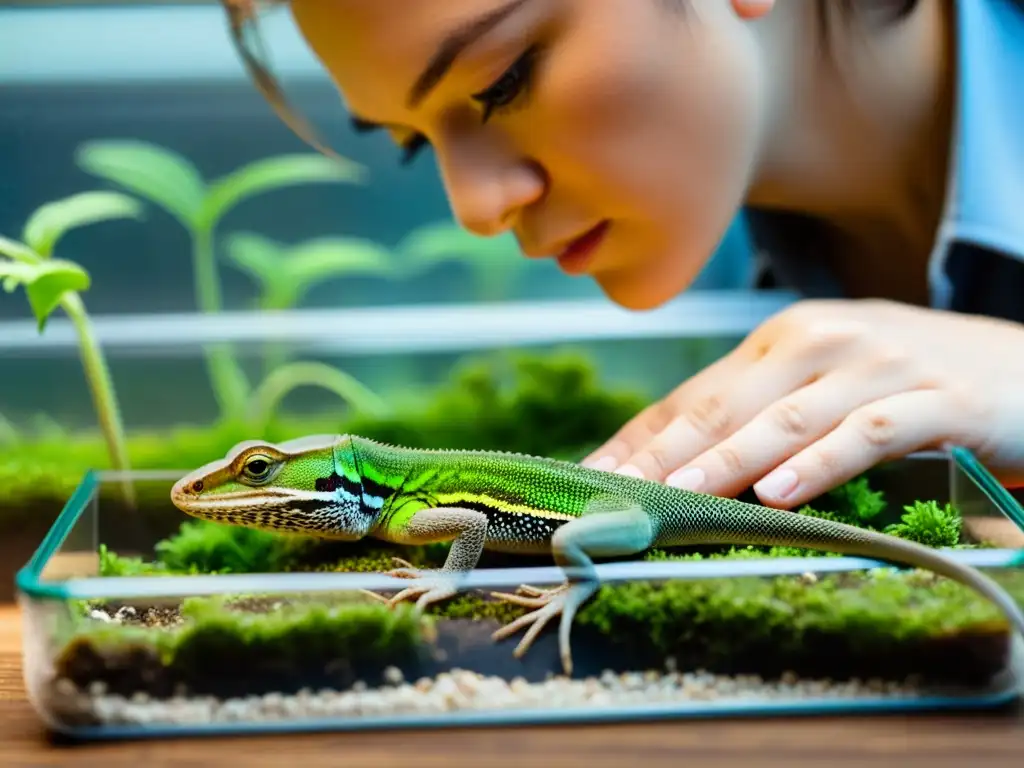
[501,94]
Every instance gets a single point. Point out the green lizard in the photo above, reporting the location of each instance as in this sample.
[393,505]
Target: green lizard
[348,487]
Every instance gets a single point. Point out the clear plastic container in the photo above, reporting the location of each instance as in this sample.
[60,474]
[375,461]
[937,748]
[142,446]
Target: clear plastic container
[295,651]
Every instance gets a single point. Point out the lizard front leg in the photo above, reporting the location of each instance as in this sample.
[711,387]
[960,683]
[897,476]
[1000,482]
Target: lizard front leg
[609,528]
[465,528]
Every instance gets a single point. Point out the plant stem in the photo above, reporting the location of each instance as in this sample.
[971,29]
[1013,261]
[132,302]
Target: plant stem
[102,386]
[8,433]
[282,381]
[230,386]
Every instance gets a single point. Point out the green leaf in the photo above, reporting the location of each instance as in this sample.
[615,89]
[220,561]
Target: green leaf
[258,256]
[285,274]
[45,283]
[443,241]
[20,252]
[275,173]
[156,173]
[328,257]
[51,221]
[495,261]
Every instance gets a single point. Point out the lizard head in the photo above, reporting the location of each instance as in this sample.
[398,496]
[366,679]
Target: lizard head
[306,486]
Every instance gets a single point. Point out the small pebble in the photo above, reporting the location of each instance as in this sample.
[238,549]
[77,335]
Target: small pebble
[125,613]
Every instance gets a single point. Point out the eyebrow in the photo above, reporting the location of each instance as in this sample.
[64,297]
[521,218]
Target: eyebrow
[444,58]
[453,45]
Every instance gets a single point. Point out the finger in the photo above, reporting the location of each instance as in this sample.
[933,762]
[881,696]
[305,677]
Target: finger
[727,401]
[639,430]
[884,429]
[636,431]
[793,422]
[652,419]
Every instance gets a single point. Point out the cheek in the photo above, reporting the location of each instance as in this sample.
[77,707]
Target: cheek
[652,122]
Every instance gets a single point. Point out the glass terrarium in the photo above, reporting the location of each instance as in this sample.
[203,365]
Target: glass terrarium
[154,624]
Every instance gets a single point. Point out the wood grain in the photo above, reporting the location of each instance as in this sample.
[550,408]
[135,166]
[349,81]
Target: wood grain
[936,741]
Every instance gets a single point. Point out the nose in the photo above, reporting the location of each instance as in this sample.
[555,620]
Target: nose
[185,488]
[486,194]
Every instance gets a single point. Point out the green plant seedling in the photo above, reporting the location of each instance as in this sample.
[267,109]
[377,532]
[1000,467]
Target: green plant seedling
[278,383]
[174,183]
[495,262]
[50,283]
[285,273]
[8,432]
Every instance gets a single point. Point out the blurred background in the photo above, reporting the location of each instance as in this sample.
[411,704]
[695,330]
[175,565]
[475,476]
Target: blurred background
[241,286]
[75,73]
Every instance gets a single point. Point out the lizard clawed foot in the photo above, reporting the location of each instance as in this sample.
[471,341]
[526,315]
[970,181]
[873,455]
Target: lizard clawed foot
[405,570]
[564,600]
[531,597]
[430,589]
[427,592]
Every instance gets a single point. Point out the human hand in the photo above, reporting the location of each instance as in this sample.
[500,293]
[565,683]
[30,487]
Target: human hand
[824,390]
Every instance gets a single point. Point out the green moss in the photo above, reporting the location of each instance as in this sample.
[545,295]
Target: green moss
[208,547]
[927,523]
[882,623]
[856,502]
[222,649]
[114,565]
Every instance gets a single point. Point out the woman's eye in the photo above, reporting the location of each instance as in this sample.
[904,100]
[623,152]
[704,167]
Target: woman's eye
[500,94]
[506,88]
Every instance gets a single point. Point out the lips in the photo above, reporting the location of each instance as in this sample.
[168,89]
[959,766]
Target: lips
[578,254]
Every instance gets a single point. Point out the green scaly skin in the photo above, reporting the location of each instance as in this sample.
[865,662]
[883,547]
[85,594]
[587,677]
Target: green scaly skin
[347,487]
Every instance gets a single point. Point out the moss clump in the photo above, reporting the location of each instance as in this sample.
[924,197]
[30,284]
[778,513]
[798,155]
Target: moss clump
[855,502]
[223,650]
[927,523]
[207,547]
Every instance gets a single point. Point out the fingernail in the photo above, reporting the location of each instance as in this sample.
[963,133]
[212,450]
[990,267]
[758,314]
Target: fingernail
[630,470]
[604,463]
[778,485]
[687,478]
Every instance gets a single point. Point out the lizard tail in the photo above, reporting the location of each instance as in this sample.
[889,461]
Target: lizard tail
[709,521]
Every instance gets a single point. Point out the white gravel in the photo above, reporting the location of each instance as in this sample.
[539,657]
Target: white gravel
[459,690]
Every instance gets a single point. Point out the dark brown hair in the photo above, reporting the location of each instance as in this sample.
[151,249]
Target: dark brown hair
[242,21]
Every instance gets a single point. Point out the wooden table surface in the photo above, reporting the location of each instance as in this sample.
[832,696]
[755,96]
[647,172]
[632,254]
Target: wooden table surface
[989,739]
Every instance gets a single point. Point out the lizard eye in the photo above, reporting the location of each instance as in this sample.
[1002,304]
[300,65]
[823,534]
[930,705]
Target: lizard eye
[257,468]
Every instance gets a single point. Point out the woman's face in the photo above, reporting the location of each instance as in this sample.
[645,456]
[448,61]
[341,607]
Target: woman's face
[620,134]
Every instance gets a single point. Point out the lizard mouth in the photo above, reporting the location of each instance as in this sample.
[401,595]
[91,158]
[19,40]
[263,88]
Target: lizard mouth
[186,497]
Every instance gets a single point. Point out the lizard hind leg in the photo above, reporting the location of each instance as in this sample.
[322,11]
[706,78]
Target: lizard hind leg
[608,528]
